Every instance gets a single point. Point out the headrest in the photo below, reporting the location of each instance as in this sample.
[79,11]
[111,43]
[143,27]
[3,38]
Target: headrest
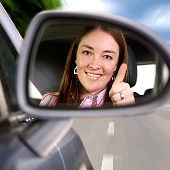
[132,67]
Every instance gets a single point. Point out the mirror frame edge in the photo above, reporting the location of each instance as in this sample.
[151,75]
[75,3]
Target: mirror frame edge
[142,30]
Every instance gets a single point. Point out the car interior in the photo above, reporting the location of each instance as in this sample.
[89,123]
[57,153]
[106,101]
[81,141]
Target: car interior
[51,55]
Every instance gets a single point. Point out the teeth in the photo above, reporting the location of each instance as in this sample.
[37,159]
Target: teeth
[94,75]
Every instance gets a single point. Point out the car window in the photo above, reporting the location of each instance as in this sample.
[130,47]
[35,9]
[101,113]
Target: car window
[146,73]
[8,56]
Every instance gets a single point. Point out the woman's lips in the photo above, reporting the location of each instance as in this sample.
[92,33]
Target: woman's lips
[93,75]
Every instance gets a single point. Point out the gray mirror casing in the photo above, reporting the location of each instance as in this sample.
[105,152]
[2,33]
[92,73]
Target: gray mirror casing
[50,113]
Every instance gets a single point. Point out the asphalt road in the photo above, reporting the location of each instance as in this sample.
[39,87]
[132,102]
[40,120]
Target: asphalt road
[129,143]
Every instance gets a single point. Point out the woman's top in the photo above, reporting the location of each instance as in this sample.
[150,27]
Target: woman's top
[50,100]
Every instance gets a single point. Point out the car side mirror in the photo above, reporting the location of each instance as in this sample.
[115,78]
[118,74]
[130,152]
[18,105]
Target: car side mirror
[46,47]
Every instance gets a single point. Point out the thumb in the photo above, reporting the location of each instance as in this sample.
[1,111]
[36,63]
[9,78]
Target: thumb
[121,74]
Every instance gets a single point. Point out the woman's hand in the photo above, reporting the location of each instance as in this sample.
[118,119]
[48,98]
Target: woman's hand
[120,93]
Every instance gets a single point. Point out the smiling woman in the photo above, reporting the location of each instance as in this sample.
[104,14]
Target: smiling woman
[94,72]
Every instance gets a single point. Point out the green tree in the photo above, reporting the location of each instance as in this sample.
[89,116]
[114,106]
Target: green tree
[22,11]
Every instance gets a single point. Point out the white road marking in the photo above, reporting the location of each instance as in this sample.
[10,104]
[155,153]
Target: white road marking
[83,167]
[111,129]
[107,163]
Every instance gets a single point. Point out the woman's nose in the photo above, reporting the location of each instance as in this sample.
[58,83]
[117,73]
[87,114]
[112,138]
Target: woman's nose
[95,63]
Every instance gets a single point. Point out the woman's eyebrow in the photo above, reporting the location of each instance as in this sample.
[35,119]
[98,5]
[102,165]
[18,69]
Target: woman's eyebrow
[87,46]
[108,51]
[105,51]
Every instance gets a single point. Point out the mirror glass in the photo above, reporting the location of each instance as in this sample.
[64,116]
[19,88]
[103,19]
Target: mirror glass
[99,51]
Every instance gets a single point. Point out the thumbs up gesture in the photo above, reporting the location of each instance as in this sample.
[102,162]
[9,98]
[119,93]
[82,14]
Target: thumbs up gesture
[120,92]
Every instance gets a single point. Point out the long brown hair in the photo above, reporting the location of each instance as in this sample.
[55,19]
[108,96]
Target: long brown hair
[70,89]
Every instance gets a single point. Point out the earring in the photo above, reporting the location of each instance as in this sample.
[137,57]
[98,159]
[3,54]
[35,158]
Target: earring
[113,76]
[75,70]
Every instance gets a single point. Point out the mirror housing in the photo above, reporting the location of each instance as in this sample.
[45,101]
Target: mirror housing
[50,113]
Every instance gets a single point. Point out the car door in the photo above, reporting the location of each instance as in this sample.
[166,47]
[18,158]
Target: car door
[25,141]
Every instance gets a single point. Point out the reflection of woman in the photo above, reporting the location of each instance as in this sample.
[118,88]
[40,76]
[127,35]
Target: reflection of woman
[96,70]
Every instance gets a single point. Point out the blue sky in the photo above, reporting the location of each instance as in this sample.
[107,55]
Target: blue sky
[153,13]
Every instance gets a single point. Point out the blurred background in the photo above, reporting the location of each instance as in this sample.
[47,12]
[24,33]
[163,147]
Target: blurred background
[154,14]
[22,11]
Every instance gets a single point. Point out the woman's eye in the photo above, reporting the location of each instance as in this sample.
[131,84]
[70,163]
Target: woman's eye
[87,52]
[108,57]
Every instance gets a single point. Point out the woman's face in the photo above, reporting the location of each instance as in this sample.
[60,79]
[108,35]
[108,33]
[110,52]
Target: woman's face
[96,60]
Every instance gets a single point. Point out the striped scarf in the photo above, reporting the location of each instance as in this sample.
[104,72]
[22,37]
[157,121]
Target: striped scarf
[50,100]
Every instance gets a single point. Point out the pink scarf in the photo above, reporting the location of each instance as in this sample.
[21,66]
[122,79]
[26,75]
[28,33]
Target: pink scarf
[93,100]
[50,100]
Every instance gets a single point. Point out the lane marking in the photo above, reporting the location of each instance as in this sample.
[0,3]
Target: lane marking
[107,163]
[83,167]
[111,129]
